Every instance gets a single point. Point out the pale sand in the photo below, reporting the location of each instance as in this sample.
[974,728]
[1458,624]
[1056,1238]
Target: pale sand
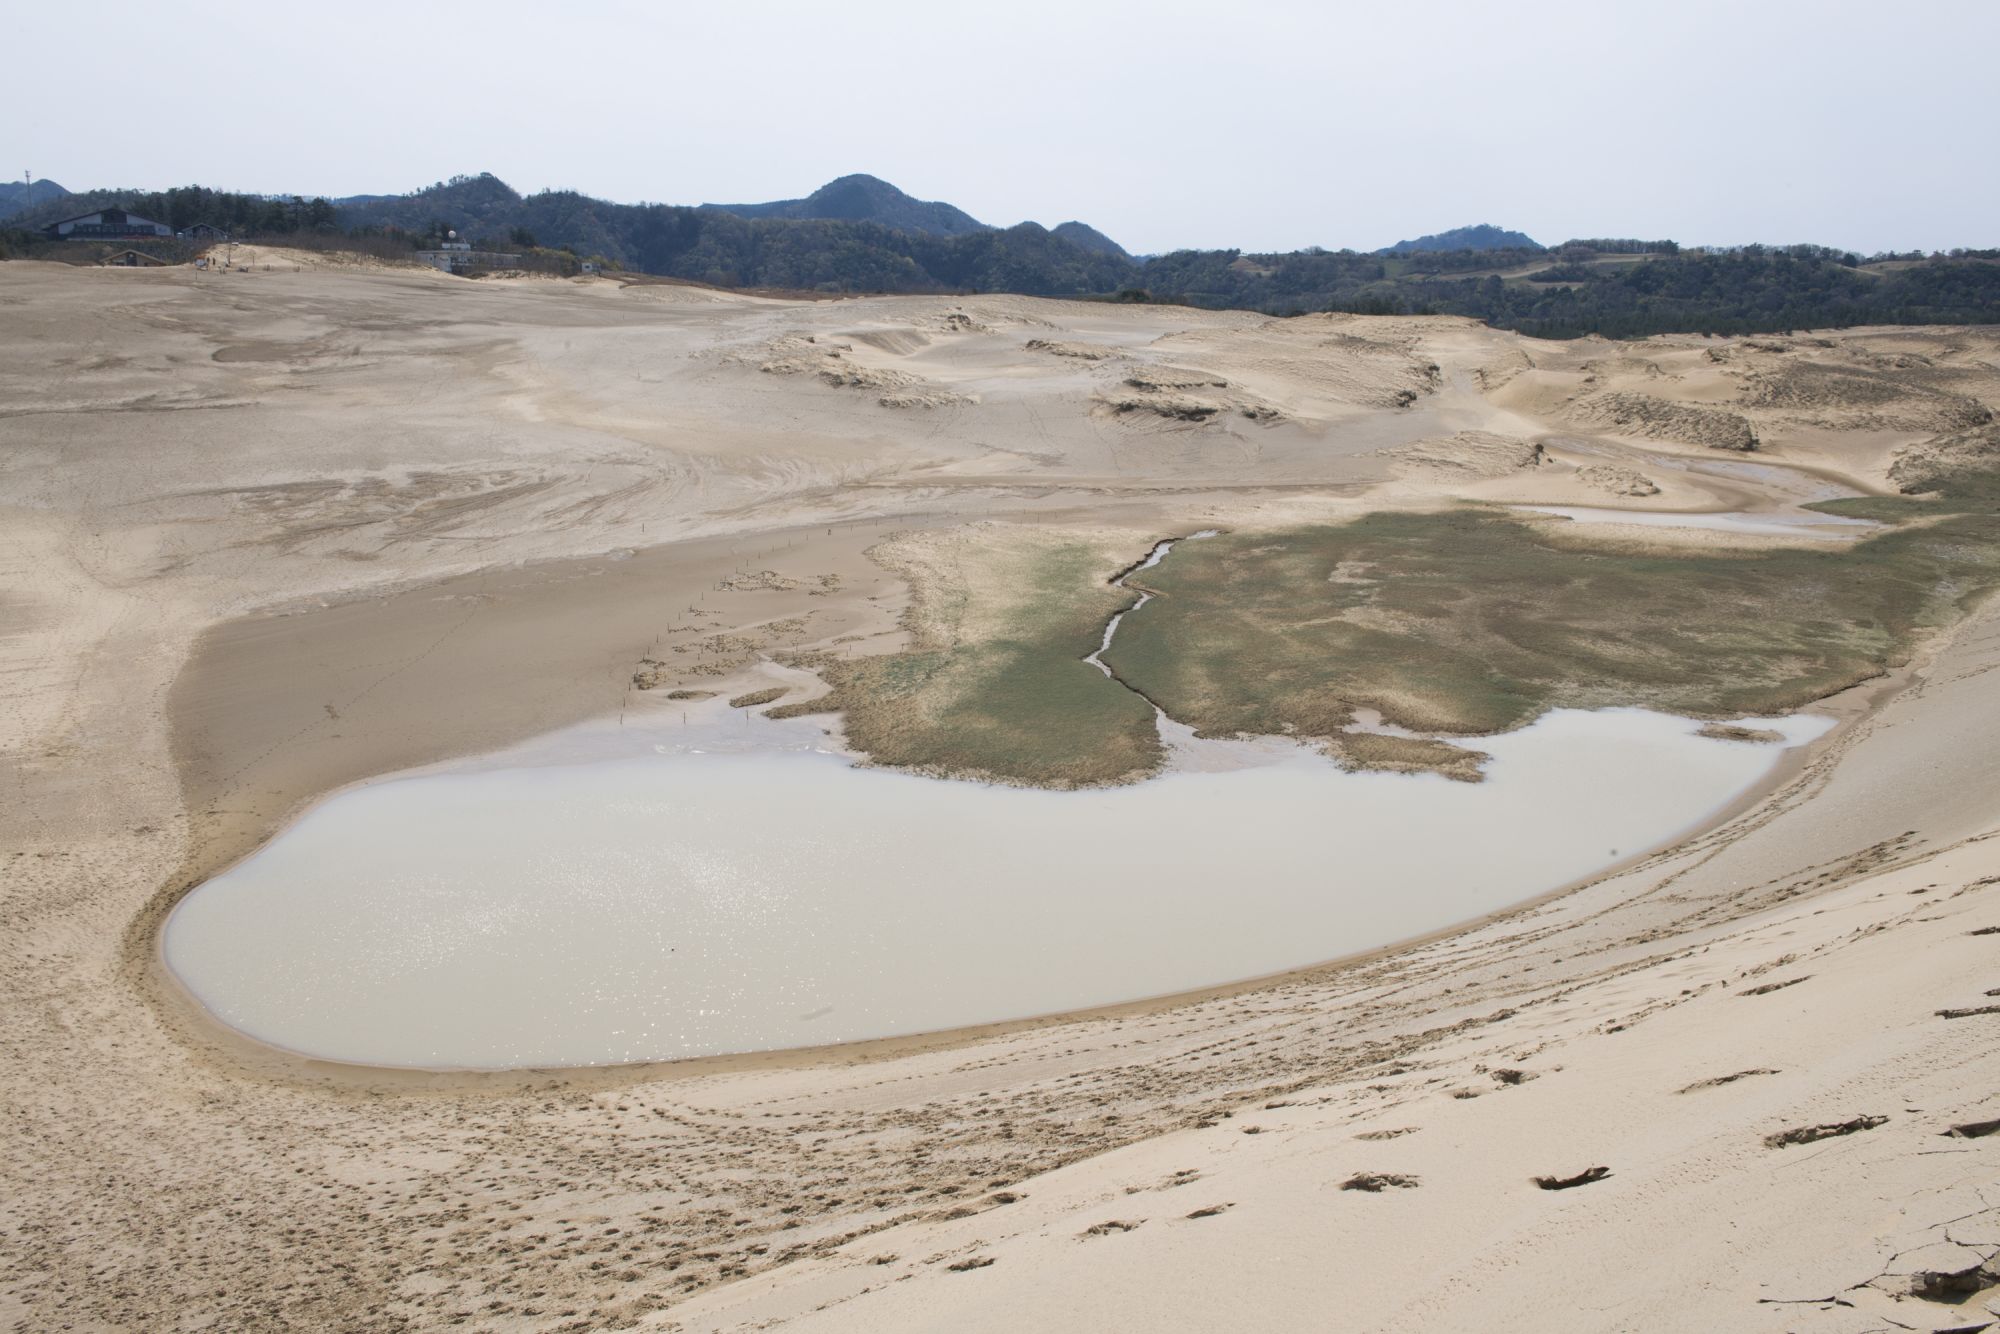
[181,450]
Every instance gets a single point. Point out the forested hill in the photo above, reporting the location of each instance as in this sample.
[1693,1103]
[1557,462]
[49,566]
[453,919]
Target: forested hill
[482,205]
[865,199]
[1484,236]
[1621,289]
[713,245]
[1087,236]
[1754,289]
[18,196]
[1613,286]
[189,205]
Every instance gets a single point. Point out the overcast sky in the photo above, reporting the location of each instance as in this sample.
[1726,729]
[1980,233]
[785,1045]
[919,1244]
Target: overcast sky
[1267,126]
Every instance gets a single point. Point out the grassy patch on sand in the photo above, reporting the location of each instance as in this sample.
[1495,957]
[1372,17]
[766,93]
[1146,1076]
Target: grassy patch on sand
[1407,754]
[1465,622]
[994,684]
[1471,622]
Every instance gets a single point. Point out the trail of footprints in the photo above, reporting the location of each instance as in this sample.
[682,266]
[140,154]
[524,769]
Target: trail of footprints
[543,1229]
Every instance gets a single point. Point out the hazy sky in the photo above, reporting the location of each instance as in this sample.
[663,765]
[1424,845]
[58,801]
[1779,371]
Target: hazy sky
[1267,126]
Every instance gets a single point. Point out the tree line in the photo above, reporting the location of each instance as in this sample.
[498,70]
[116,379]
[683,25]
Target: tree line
[1618,287]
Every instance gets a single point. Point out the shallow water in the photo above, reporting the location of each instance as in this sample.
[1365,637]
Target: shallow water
[552,911]
[1826,527]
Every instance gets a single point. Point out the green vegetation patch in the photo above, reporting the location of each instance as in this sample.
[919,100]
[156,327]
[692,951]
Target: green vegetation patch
[1408,754]
[1013,702]
[1472,622]
[1464,622]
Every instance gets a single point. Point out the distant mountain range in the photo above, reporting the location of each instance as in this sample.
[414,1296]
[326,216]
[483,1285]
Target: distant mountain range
[863,198]
[859,234]
[1482,236]
[472,202]
[854,234]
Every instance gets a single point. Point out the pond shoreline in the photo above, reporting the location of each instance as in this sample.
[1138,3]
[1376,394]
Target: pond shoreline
[1139,935]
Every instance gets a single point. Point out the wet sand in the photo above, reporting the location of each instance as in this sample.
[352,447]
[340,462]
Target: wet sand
[1822,527]
[276,709]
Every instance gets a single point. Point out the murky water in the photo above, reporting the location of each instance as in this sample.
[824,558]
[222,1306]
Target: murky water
[1826,527]
[555,909]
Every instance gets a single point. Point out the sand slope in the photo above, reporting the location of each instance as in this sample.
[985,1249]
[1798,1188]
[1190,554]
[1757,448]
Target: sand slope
[1802,955]
[229,505]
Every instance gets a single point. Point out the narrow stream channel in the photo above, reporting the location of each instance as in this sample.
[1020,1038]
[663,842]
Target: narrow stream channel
[1153,557]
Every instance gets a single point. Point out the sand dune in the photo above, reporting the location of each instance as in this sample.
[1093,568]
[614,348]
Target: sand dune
[268,533]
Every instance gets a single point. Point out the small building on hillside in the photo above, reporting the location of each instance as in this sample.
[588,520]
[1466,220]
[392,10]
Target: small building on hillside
[134,259]
[203,231]
[107,224]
